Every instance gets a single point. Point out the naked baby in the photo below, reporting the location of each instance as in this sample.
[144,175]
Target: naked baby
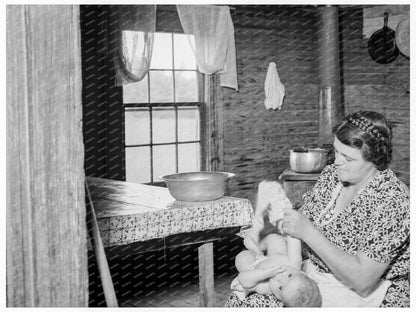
[271,265]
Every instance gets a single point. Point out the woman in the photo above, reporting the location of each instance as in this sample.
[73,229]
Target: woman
[355,222]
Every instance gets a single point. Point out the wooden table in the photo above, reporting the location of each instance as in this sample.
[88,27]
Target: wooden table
[136,214]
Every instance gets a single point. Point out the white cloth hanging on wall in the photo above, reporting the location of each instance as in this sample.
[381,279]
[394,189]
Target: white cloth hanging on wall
[213,32]
[274,89]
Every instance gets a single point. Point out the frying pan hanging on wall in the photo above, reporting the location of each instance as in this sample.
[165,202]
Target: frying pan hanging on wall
[382,44]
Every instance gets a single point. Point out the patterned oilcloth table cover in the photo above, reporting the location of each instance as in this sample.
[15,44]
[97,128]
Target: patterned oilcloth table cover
[131,212]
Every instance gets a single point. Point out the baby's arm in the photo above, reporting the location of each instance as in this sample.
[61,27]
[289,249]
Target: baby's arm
[262,288]
[251,278]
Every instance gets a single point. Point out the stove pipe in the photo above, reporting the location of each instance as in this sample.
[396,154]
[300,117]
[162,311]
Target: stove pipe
[330,104]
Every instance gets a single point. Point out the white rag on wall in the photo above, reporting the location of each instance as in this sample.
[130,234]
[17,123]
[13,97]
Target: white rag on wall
[274,89]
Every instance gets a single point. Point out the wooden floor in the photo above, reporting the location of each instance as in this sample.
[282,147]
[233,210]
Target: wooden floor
[181,295]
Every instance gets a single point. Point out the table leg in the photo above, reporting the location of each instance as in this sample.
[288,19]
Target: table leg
[206,275]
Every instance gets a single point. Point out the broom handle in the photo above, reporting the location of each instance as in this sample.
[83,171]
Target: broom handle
[106,280]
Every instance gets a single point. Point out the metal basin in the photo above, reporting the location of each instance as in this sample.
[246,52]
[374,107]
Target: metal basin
[308,160]
[197,186]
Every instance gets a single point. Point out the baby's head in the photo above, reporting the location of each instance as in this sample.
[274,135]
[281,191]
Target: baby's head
[295,289]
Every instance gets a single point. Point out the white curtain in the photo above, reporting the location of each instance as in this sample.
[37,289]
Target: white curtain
[137,24]
[213,32]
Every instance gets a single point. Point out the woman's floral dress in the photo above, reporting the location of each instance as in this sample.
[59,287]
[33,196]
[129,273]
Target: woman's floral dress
[376,222]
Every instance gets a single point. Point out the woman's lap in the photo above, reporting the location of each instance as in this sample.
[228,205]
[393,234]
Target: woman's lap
[398,295]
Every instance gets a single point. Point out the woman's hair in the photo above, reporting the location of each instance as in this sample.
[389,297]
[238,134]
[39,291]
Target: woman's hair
[371,133]
[306,295]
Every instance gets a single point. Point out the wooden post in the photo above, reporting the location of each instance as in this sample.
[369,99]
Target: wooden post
[206,275]
[214,125]
[45,214]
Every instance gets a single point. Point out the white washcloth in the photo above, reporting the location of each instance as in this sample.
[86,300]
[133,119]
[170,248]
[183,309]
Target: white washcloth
[336,294]
[272,198]
[274,89]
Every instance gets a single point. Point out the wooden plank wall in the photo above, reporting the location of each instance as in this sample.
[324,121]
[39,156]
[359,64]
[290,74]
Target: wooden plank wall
[381,87]
[256,140]
[46,229]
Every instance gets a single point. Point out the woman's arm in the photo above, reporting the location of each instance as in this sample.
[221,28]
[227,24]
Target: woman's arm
[357,272]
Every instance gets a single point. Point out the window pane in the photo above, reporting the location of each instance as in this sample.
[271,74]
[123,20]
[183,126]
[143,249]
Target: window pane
[161,86]
[136,92]
[186,86]
[164,160]
[163,125]
[137,126]
[184,57]
[188,155]
[162,51]
[188,124]
[138,164]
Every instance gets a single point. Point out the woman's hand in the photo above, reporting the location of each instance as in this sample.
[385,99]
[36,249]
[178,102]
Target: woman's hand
[296,224]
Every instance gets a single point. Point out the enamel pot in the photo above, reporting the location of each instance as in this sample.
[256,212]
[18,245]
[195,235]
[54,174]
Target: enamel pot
[304,160]
[382,44]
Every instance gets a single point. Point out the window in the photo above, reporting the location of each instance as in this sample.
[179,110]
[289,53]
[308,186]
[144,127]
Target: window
[163,113]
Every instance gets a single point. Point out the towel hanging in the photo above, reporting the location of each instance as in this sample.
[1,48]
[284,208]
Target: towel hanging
[274,89]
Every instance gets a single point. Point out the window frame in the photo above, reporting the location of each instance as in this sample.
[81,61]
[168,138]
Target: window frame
[202,108]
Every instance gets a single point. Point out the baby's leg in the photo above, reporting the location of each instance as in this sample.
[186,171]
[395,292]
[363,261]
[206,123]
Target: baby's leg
[253,244]
[244,260]
[274,243]
[252,240]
